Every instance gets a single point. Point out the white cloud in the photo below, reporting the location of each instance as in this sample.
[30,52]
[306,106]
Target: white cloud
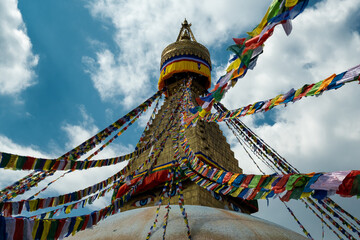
[144,28]
[80,132]
[16,59]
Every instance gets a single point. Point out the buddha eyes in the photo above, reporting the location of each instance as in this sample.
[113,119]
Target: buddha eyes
[234,207]
[216,196]
[173,193]
[143,202]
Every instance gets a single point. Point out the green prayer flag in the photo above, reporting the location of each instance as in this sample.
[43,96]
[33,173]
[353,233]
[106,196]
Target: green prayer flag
[236,49]
[314,89]
[53,228]
[274,9]
[292,179]
[355,189]
[218,94]
[254,181]
[259,195]
[245,58]
[296,194]
[20,162]
[4,159]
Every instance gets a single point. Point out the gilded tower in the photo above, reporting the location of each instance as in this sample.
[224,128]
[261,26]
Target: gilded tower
[181,60]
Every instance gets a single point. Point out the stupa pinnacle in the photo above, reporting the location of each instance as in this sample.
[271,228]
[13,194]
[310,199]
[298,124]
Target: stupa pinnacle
[185,55]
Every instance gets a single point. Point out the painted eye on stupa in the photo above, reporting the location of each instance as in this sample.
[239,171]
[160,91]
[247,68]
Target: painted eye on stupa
[173,193]
[216,196]
[235,207]
[143,202]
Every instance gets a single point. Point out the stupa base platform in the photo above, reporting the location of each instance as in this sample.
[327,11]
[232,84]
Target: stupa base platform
[205,223]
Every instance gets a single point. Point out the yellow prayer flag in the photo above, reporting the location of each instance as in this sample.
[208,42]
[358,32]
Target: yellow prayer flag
[203,113]
[279,100]
[47,164]
[237,192]
[68,209]
[77,223]
[290,3]
[234,65]
[68,165]
[297,93]
[12,162]
[325,83]
[233,177]
[98,162]
[265,195]
[268,186]
[35,227]
[46,229]
[33,204]
[305,195]
[261,25]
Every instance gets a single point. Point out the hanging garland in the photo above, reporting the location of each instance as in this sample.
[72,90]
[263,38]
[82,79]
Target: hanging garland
[259,145]
[89,144]
[330,83]
[331,220]
[16,207]
[247,50]
[294,186]
[299,223]
[149,122]
[255,186]
[12,160]
[321,218]
[23,185]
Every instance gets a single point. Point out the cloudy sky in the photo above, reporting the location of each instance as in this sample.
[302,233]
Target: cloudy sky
[70,68]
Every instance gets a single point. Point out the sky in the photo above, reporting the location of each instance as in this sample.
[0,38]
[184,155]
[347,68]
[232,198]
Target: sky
[70,68]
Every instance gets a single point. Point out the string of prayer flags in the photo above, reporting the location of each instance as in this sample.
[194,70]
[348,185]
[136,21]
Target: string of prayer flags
[247,50]
[77,152]
[294,186]
[332,82]
[259,145]
[138,183]
[158,209]
[182,208]
[342,220]
[68,208]
[321,218]
[29,228]
[114,137]
[93,141]
[298,222]
[21,186]
[17,162]
[154,140]
[335,206]
[331,220]
[16,207]
[148,124]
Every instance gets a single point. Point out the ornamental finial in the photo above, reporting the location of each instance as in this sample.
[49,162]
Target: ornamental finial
[185,32]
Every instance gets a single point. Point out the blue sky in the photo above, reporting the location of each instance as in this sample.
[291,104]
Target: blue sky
[70,68]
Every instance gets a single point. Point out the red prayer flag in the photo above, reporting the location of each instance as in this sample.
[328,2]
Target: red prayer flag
[346,185]
[239,41]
